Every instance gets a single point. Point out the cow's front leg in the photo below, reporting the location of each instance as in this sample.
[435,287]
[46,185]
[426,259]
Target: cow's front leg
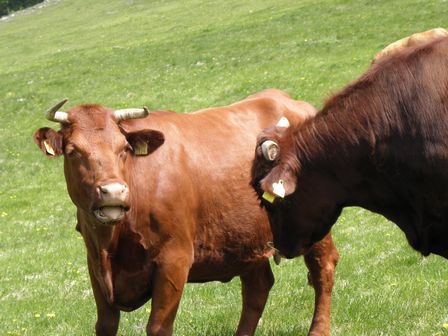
[321,261]
[108,317]
[256,285]
[168,283]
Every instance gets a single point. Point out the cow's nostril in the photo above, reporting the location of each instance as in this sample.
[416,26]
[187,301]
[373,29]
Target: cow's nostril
[104,189]
[113,192]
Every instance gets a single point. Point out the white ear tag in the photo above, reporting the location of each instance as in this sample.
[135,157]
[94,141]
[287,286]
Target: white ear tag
[48,148]
[278,189]
[141,148]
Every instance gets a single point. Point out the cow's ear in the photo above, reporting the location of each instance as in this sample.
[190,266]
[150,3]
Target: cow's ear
[281,181]
[145,142]
[49,141]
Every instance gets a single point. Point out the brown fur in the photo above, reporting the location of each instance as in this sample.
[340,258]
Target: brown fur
[382,144]
[193,216]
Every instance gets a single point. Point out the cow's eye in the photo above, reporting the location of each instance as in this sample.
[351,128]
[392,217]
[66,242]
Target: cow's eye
[126,150]
[71,151]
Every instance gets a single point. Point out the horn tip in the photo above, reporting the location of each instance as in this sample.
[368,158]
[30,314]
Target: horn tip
[50,114]
[283,122]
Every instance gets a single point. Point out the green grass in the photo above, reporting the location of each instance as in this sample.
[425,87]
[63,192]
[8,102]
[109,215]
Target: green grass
[182,56]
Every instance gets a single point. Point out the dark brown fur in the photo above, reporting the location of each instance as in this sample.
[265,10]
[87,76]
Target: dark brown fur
[193,216]
[382,144]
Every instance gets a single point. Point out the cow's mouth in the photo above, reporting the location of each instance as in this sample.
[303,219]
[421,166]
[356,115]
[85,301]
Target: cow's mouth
[109,214]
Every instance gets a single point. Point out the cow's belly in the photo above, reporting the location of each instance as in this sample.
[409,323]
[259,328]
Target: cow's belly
[132,290]
[220,272]
[224,265]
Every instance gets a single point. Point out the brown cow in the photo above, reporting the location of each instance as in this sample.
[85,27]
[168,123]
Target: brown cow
[165,199]
[381,144]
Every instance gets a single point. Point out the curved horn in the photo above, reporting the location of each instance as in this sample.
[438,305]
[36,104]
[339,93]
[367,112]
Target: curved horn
[131,113]
[283,122]
[53,114]
[270,150]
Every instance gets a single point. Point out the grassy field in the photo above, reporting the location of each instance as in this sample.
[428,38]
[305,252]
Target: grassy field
[182,56]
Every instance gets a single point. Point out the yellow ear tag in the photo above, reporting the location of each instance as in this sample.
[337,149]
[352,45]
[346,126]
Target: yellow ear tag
[268,197]
[279,189]
[141,148]
[48,148]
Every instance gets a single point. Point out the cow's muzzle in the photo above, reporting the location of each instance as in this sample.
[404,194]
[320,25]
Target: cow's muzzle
[109,215]
[113,202]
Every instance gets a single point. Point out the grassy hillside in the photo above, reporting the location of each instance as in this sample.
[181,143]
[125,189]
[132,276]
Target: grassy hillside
[182,56]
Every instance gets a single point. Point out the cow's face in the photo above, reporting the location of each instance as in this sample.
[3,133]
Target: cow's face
[298,216]
[96,151]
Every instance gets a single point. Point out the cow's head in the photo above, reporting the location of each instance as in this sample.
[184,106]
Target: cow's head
[273,145]
[95,150]
[300,203]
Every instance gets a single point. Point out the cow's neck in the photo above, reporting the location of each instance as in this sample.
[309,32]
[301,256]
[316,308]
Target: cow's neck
[339,152]
[347,157]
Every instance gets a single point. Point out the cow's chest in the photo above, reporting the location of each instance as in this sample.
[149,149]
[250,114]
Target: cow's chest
[131,289]
[131,272]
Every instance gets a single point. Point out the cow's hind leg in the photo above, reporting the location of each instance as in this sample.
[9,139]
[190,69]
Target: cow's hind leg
[256,285]
[321,261]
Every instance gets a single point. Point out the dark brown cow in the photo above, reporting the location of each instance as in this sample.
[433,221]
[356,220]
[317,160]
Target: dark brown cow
[381,144]
[166,199]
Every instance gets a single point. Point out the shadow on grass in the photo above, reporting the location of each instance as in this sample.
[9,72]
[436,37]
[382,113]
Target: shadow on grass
[295,332]
[287,331]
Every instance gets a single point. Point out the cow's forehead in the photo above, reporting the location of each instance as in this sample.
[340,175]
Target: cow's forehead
[92,123]
[90,116]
